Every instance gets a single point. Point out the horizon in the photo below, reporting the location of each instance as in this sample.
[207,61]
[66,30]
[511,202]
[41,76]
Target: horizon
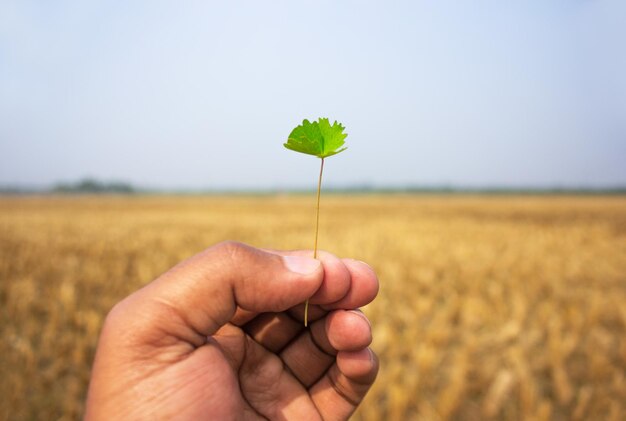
[121,187]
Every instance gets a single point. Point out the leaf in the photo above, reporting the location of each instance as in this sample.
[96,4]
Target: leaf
[318,138]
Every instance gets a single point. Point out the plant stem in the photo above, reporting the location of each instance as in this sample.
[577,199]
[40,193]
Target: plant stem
[317,229]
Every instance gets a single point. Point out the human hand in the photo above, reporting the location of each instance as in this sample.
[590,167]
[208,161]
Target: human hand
[220,336]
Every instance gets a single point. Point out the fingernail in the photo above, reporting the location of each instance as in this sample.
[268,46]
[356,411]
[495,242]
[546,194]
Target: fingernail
[362,315]
[366,264]
[361,262]
[301,265]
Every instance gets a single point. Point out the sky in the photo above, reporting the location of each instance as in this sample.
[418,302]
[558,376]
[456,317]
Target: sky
[202,94]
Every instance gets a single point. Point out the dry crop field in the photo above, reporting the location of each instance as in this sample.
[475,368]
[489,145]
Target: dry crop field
[495,307]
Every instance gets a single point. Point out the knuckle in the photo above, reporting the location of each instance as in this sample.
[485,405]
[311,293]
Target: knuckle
[231,253]
[230,248]
[117,319]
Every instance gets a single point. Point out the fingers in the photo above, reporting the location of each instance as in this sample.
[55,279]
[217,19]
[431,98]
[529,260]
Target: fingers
[276,385]
[337,394]
[345,331]
[363,286]
[313,352]
[194,299]
[306,360]
[271,390]
[347,284]
[276,331]
[336,281]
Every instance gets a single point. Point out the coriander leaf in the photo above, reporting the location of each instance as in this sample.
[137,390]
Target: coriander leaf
[318,138]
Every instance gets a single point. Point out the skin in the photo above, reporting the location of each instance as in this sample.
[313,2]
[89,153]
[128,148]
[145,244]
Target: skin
[220,336]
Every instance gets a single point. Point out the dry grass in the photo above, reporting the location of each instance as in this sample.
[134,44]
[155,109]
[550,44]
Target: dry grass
[490,307]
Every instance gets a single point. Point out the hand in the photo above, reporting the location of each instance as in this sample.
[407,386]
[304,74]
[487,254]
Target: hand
[220,336]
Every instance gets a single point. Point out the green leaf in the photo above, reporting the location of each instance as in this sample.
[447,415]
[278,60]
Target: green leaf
[318,138]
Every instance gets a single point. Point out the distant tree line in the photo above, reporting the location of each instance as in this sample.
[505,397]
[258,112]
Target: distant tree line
[92,186]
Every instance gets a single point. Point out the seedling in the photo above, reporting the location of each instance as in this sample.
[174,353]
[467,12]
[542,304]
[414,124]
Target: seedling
[322,140]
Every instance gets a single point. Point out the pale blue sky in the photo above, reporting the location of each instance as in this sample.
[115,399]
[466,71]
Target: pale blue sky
[202,94]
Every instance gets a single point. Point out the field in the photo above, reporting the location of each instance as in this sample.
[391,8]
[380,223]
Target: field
[494,307]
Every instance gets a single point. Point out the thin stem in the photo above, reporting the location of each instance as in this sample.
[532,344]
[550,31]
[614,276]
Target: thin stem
[317,229]
[317,219]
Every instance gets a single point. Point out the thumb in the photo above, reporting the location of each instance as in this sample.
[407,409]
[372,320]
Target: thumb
[203,292]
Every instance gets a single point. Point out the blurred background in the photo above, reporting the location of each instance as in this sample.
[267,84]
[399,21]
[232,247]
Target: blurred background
[484,181]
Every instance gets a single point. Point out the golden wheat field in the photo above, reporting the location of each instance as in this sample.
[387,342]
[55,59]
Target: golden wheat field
[495,307]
